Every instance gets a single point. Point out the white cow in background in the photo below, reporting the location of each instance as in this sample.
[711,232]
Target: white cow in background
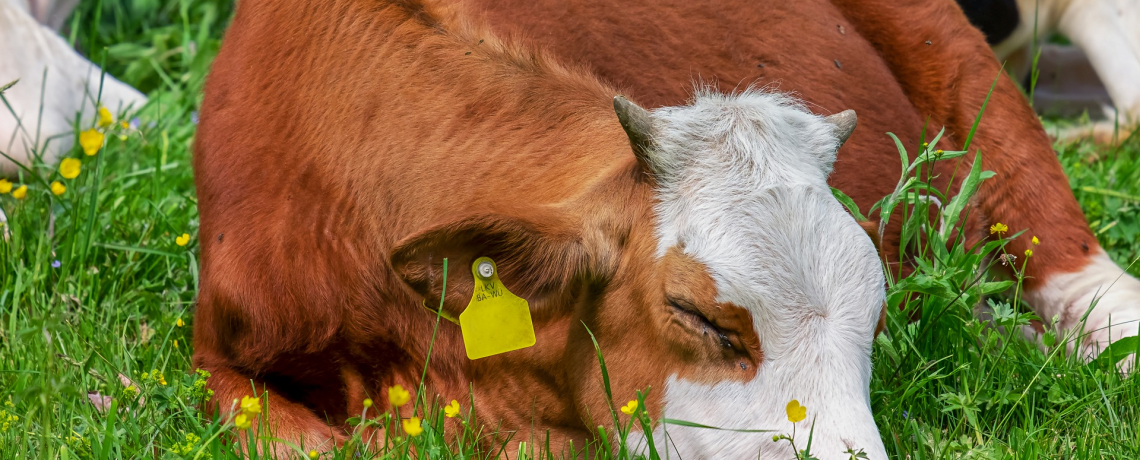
[1107,32]
[50,13]
[45,111]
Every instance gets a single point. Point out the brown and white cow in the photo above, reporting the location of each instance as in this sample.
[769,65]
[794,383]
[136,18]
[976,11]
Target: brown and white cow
[346,147]
[900,65]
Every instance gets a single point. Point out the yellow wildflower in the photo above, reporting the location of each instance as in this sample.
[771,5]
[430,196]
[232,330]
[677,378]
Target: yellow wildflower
[123,124]
[1036,241]
[105,118]
[796,412]
[20,192]
[91,141]
[183,240]
[57,188]
[69,168]
[1028,253]
[5,186]
[251,406]
[175,343]
[413,427]
[367,402]
[243,422]
[630,407]
[398,396]
[451,410]
[998,228]
[179,323]
[314,454]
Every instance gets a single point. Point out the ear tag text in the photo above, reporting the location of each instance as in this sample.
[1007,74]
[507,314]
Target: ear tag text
[495,321]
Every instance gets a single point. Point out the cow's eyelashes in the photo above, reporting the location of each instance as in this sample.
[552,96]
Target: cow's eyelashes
[693,315]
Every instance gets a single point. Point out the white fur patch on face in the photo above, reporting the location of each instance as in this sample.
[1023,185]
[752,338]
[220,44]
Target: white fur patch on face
[1068,297]
[742,187]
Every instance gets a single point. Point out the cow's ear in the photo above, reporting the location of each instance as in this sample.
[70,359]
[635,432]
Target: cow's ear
[537,258]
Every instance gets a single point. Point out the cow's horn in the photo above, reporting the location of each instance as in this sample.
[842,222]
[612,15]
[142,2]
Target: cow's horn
[637,124]
[844,123]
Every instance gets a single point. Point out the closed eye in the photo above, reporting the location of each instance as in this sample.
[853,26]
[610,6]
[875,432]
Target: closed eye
[690,313]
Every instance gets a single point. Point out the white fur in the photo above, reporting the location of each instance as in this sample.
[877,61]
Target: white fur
[1108,31]
[1069,295]
[742,188]
[50,13]
[27,49]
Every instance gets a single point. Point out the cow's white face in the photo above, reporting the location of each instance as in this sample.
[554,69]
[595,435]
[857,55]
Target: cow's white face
[742,191]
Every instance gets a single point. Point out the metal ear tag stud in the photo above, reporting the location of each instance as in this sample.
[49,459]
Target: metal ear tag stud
[495,321]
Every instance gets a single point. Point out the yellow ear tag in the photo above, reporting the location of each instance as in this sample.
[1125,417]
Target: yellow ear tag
[495,321]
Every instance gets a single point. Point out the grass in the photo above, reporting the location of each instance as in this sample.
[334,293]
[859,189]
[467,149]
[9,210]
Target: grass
[96,300]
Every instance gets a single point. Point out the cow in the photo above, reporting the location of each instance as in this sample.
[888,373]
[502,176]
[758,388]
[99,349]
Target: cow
[347,148]
[1106,31]
[54,86]
[902,66]
[51,13]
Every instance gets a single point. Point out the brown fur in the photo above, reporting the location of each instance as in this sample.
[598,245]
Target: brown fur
[346,147]
[898,64]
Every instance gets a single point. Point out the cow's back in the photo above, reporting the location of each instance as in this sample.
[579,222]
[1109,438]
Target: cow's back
[330,131]
[655,50]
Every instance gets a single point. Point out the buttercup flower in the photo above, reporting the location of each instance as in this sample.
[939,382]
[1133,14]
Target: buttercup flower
[5,186]
[243,422]
[57,188]
[91,141]
[1036,241]
[179,323]
[251,406]
[451,410]
[105,118]
[412,426]
[1028,253]
[20,192]
[183,240]
[398,396]
[630,407]
[367,402]
[175,343]
[998,228]
[796,412]
[314,454]
[69,168]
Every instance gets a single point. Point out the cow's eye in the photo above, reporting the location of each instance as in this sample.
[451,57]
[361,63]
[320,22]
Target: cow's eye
[701,323]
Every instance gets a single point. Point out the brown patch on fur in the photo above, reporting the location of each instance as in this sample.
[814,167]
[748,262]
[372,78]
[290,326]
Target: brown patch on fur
[377,131]
[717,339]
[891,77]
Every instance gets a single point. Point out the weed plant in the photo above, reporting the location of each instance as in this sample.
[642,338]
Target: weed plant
[97,286]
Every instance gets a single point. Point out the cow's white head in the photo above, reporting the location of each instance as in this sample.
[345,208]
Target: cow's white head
[728,280]
[759,258]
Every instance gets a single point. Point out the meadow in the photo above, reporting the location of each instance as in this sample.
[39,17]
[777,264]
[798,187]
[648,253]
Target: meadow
[97,289]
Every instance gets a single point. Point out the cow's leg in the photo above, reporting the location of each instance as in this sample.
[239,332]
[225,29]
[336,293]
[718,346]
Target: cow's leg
[946,69]
[280,417]
[1067,297]
[1106,31]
